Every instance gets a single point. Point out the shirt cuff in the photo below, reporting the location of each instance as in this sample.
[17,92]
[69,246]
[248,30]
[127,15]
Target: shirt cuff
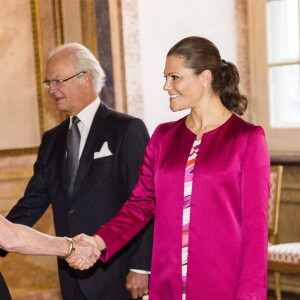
[140,271]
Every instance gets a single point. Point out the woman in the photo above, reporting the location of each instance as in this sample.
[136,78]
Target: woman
[25,240]
[206,178]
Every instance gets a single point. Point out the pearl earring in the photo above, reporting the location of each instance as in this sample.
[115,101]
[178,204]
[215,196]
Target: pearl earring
[204,85]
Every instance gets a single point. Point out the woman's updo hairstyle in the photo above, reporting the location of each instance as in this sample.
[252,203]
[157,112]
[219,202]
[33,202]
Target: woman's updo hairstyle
[201,54]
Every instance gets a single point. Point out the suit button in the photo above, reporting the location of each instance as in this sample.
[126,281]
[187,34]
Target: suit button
[72,211]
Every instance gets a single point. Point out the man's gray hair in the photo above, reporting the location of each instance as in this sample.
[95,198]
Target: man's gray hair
[84,61]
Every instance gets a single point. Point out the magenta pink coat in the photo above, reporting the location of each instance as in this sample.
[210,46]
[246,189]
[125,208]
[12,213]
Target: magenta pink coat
[228,236]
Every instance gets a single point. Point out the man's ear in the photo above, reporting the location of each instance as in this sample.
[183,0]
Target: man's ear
[88,79]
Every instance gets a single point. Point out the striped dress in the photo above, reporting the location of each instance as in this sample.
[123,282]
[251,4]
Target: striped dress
[188,181]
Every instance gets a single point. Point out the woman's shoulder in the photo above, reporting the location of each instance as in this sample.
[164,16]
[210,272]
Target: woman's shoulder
[169,126]
[246,126]
[246,132]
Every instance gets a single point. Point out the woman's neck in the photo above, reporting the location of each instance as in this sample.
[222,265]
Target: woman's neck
[201,120]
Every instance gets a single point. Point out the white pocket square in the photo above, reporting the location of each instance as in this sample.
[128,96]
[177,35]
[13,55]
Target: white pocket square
[104,151]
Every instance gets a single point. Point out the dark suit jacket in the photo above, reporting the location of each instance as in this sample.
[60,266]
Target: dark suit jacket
[101,187]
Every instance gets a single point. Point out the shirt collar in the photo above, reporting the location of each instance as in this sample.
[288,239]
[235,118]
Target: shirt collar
[86,116]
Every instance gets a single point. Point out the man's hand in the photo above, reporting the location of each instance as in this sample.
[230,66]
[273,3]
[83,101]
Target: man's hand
[85,255]
[137,284]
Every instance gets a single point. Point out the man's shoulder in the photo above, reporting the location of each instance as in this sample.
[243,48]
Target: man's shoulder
[117,114]
[119,118]
[54,130]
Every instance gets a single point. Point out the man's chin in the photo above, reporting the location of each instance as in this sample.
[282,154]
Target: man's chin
[60,105]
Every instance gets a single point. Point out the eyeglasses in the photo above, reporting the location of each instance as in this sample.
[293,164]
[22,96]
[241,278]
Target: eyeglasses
[58,82]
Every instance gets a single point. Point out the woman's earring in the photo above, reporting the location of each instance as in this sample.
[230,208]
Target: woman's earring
[204,85]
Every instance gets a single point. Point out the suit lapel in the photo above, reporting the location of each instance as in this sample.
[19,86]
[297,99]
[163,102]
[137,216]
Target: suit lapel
[61,156]
[94,140]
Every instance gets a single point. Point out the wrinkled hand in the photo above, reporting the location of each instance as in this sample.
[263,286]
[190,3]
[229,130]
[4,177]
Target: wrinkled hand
[85,255]
[137,284]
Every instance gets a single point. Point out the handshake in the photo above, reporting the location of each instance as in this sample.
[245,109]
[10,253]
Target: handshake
[84,251]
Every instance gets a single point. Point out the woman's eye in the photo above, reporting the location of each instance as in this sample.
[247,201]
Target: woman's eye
[174,77]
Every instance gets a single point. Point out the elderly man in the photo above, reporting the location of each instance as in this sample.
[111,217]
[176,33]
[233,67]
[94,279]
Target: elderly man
[86,168]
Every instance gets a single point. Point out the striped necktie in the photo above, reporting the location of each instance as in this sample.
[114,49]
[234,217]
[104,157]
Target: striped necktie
[73,143]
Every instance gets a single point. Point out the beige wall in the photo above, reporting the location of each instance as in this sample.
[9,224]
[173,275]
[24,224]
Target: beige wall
[18,82]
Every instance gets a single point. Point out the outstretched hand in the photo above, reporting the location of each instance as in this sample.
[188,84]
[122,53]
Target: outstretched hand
[85,255]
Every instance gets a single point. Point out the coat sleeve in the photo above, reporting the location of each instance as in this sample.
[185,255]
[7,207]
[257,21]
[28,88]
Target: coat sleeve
[255,189]
[137,211]
[133,149]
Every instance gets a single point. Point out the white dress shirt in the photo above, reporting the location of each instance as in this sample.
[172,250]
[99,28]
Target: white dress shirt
[86,117]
